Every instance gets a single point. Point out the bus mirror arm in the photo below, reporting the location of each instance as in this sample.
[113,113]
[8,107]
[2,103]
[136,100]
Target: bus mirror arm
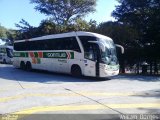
[121,47]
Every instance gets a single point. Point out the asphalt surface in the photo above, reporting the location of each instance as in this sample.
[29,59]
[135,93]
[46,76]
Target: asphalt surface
[47,93]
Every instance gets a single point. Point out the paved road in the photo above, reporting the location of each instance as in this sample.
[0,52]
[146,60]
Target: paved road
[42,92]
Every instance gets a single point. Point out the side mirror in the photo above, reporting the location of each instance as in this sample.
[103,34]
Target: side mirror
[121,47]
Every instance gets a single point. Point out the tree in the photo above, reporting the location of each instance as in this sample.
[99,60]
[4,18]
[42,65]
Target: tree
[47,27]
[25,31]
[3,31]
[80,25]
[65,12]
[121,34]
[7,35]
[143,15]
[11,34]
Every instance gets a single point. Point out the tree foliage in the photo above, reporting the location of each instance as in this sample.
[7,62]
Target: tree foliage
[24,26]
[64,12]
[142,15]
[64,16]
[3,31]
[48,27]
[120,33]
[25,30]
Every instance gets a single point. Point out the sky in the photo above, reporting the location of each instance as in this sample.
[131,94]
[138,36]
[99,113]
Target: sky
[12,11]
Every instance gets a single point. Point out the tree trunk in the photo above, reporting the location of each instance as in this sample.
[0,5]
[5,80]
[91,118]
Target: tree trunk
[138,67]
[151,66]
[155,67]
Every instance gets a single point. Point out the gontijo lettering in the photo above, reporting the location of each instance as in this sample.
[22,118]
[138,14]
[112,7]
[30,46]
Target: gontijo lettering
[57,55]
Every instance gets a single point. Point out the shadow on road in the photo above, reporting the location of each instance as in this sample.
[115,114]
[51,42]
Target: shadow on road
[137,78]
[11,73]
[150,93]
[8,72]
[152,112]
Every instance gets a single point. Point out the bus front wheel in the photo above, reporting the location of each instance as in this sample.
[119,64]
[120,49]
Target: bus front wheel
[76,70]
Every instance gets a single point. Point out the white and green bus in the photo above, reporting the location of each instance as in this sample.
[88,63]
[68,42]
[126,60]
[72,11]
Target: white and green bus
[77,53]
[6,54]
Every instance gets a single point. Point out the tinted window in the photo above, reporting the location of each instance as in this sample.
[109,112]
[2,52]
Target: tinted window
[89,48]
[68,43]
[85,39]
[20,46]
[73,45]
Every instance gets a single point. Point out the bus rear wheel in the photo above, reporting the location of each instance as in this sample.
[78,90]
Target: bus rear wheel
[28,66]
[76,71]
[22,65]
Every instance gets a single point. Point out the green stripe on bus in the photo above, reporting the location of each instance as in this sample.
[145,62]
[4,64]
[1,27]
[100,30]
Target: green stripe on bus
[72,55]
[20,54]
[61,55]
[36,54]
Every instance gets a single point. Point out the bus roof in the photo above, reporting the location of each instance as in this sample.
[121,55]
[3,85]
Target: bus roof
[69,34]
[81,33]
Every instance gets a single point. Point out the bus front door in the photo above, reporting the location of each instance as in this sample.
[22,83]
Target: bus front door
[92,60]
[97,59]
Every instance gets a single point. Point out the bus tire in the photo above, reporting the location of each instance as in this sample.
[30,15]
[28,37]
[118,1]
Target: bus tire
[22,65]
[28,66]
[76,70]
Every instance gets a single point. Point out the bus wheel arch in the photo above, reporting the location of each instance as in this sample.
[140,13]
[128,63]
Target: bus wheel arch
[76,70]
[22,65]
[28,66]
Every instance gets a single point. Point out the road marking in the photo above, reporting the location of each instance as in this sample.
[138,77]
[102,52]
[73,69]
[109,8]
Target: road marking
[21,96]
[85,107]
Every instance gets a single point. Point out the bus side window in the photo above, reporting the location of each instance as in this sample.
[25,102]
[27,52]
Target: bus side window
[27,46]
[18,46]
[50,44]
[59,44]
[74,44]
[44,44]
[68,44]
[88,47]
[40,45]
[89,52]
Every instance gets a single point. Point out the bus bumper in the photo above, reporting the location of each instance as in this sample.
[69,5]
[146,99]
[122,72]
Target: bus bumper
[108,70]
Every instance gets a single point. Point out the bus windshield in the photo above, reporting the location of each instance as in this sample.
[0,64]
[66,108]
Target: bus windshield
[109,56]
